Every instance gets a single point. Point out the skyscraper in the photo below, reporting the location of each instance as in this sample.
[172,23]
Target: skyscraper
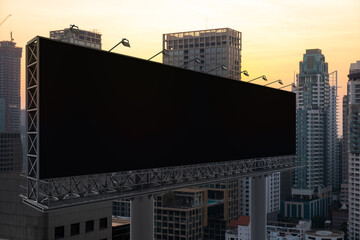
[354,151]
[315,139]
[10,57]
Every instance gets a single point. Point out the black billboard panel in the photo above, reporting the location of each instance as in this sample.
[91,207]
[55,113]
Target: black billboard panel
[104,112]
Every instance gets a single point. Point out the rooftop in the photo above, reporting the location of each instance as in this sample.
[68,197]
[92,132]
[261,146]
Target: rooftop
[242,221]
[120,221]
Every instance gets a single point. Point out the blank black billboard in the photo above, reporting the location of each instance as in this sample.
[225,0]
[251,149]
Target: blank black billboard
[105,112]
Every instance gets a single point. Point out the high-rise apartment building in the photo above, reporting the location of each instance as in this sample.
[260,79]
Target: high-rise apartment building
[273,193]
[333,162]
[315,139]
[345,151]
[181,214]
[10,57]
[77,36]
[213,47]
[273,189]
[354,151]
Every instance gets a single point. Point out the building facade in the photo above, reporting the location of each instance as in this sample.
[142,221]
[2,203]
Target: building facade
[316,136]
[10,57]
[213,47]
[345,151]
[21,222]
[77,36]
[324,235]
[10,152]
[181,214]
[285,231]
[354,151]
[240,229]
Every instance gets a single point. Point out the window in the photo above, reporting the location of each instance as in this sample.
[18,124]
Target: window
[59,232]
[89,226]
[75,229]
[103,223]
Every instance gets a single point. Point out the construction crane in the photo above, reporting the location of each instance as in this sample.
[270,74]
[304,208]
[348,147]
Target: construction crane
[5,19]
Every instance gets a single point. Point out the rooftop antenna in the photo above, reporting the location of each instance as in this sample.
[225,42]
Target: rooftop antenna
[11,37]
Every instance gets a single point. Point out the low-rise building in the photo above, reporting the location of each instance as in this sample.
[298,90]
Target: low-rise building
[240,229]
[324,235]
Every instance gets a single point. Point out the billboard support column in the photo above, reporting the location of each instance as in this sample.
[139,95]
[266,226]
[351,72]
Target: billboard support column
[258,208]
[142,218]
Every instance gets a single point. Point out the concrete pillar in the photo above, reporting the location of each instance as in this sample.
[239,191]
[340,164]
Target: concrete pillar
[142,218]
[258,208]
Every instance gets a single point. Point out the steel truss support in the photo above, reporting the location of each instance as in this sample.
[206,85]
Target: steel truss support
[32,119]
[69,191]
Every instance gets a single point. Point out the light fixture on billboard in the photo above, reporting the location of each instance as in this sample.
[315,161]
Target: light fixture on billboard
[223,67]
[164,51]
[124,42]
[279,81]
[263,77]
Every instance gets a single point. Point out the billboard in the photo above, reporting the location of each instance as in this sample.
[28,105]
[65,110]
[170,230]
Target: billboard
[105,112]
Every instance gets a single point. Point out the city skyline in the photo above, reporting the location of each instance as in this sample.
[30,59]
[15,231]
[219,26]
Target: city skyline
[275,33]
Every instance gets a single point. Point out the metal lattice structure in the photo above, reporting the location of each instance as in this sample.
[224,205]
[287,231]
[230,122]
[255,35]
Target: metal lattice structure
[69,191]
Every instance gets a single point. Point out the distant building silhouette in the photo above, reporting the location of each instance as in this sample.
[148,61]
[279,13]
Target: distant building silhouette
[77,36]
[10,57]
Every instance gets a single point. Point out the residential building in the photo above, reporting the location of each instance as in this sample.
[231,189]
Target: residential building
[273,189]
[324,235]
[316,136]
[354,151]
[10,57]
[222,208]
[344,195]
[10,152]
[339,217]
[287,231]
[240,229]
[77,36]
[213,47]
[181,214]
[273,195]
[333,162]
[121,207]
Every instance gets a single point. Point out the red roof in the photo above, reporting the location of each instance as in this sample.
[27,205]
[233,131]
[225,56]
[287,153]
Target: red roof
[243,221]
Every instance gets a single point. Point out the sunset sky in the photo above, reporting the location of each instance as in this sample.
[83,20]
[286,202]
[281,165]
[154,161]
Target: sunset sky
[275,33]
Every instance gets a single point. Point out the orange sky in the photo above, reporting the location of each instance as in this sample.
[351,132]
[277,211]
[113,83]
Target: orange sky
[276,33]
